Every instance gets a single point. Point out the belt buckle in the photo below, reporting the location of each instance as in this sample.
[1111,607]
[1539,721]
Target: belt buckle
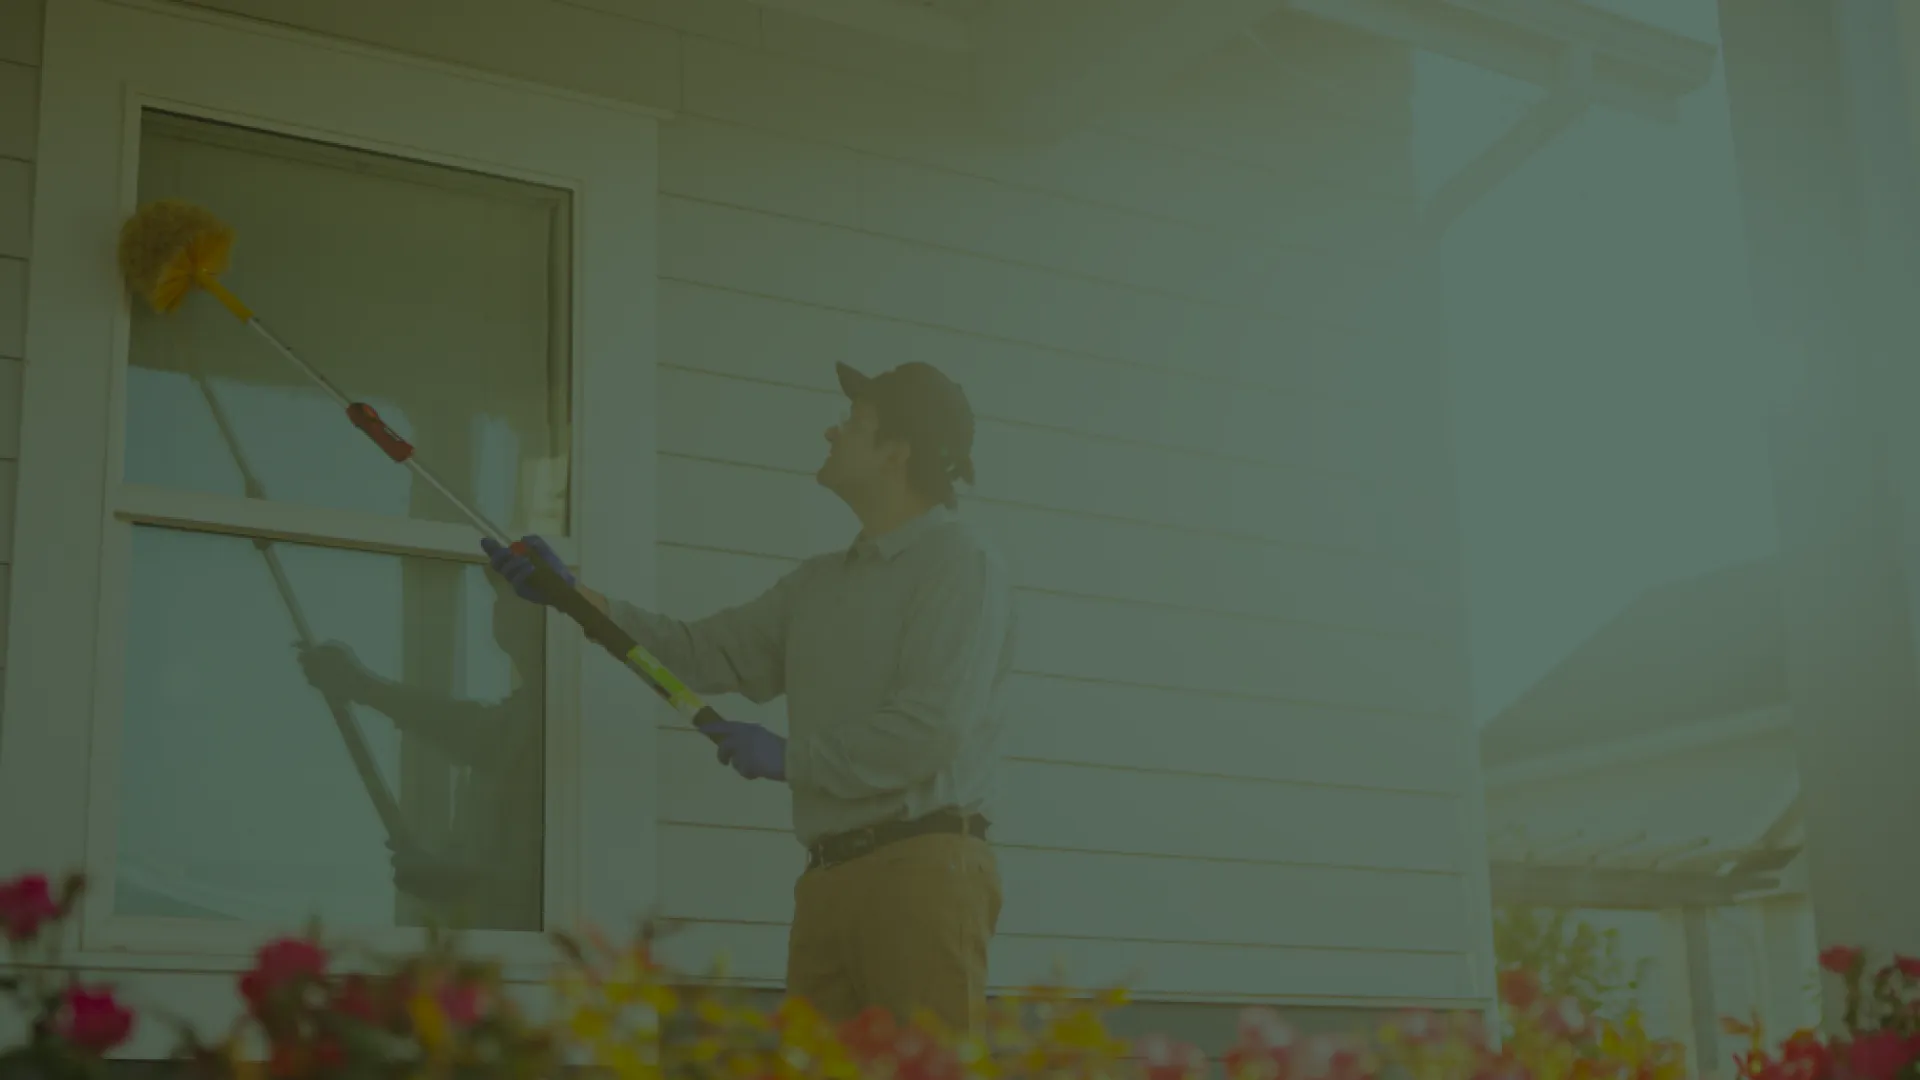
[862,840]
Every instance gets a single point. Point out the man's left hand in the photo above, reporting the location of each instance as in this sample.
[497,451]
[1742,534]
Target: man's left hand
[753,751]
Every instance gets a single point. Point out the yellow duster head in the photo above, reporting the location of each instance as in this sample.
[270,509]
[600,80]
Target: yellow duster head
[168,247]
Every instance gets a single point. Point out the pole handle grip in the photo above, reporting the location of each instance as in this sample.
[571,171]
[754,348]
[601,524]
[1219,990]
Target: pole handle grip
[603,631]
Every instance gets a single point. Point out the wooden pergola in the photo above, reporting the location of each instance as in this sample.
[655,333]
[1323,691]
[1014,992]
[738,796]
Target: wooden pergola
[1689,676]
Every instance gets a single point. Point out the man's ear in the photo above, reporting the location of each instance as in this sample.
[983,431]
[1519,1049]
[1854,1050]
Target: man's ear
[899,452]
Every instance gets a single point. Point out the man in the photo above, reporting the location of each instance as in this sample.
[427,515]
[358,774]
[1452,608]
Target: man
[491,876]
[892,655]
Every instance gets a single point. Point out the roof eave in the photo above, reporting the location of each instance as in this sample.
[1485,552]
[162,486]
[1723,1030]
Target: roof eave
[1637,68]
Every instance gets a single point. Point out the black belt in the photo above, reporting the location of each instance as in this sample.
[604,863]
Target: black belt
[841,847]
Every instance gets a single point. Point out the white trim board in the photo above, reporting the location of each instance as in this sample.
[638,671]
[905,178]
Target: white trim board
[105,61]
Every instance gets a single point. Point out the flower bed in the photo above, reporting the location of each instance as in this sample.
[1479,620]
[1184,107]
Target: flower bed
[442,1015]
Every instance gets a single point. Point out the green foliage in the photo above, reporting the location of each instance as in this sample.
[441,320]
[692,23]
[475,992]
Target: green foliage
[1568,955]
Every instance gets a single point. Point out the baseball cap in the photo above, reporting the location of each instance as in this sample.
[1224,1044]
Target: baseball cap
[924,404]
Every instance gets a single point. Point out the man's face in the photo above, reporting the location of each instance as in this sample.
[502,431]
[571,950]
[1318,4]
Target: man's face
[857,461]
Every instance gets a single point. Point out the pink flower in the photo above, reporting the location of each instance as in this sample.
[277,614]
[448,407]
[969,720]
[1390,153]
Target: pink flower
[1519,988]
[1841,959]
[279,963]
[26,903]
[1170,1059]
[1881,1055]
[93,1020]
[462,1003]
[1265,1048]
[1566,1019]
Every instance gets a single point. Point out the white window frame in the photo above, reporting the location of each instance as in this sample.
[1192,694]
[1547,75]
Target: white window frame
[107,60]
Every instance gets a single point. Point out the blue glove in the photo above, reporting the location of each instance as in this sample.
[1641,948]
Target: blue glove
[753,751]
[518,569]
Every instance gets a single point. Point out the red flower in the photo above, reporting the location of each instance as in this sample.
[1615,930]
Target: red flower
[462,1003]
[328,1053]
[93,1020]
[1501,1067]
[1908,966]
[25,903]
[1519,988]
[1841,959]
[920,1057]
[286,1060]
[1881,1055]
[354,997]
[280,963]
[870,1034]
[1803,1057]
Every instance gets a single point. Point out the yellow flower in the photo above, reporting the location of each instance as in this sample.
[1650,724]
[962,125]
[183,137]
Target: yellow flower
[590,1025]
[627,1064]
[430,1024]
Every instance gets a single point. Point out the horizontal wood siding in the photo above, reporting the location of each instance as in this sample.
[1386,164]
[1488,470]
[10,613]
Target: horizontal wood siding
[20,33]
[1211,441]
[1236,762]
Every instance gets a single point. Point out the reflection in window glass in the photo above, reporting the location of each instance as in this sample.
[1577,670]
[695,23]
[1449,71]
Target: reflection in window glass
[238,798]
[438,296]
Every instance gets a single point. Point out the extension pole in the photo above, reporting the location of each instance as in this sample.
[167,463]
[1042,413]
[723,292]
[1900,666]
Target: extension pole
[384,803]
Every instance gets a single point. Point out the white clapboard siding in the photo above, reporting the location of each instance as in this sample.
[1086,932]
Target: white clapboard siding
[747,875]
[16,207]
[727,82]
[1233,731]
[1127,726]
[769,255]
[1207,972]
[1144,729]
[1110,641]
[726,332]
[703,159]
[19,109]
[1305,103]
[12,369]
[21,22]
[778,427]
[789,33]
[1124,812]
[13,314]
[727,20]
[727,507]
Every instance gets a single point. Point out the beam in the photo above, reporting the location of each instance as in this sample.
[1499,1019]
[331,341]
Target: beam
[1525,885]
[1565,103]
[1637,68]
[1048,66]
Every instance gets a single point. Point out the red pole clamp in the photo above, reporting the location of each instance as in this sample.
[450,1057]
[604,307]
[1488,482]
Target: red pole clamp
[387,439]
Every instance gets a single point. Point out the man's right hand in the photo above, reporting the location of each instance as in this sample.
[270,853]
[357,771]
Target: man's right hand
[518,569]
[333,669]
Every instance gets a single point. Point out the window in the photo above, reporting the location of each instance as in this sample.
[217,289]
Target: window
[271,677]
[442,295]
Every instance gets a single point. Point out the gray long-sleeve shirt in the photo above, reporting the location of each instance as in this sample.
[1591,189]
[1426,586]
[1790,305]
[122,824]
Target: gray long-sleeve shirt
[892,655]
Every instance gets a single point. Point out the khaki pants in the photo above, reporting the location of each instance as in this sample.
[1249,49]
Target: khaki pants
[905,926]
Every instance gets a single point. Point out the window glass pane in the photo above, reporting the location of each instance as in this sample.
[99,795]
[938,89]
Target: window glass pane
[438,296]
[238,796]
